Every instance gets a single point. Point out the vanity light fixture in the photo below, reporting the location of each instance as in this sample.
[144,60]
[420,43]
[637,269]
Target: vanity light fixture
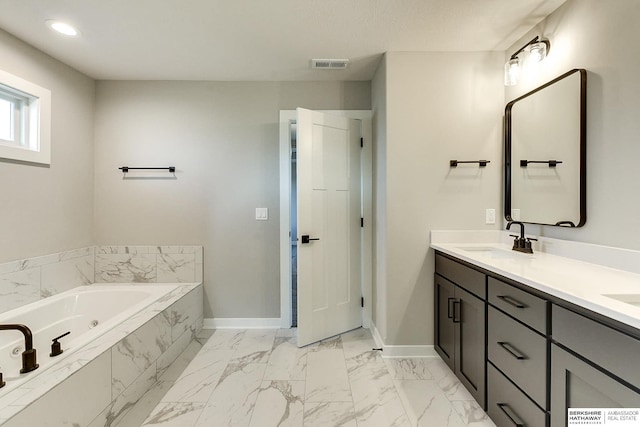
[535,51]
[62,28]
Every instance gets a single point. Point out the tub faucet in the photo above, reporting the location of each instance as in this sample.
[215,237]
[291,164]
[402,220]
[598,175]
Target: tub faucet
[520,243]
[29,354]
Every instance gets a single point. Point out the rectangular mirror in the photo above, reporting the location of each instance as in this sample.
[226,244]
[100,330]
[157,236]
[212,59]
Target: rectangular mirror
[545,153]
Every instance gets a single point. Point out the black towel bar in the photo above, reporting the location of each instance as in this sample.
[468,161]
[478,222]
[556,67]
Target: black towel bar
[482,163]
[126,169]
[552,163]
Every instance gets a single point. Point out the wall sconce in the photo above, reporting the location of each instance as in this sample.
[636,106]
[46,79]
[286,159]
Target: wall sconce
[535,51]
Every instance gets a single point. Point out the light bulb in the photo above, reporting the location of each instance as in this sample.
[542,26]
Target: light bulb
[512,72]
[537,52]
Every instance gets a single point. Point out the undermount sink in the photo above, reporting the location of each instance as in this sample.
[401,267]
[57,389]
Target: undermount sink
[490,251]
[633,299]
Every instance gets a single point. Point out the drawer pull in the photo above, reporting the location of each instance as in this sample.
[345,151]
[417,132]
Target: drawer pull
[512,350]
[457,318]
[515,419]
[449,300]
[512,301]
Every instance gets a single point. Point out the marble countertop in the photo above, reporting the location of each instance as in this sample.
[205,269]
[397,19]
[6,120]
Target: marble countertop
[574,280]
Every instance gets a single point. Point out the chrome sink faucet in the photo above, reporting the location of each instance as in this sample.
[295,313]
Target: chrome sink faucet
[29,354]
[521,243]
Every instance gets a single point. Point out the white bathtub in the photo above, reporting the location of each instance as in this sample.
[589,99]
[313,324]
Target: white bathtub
[86,311]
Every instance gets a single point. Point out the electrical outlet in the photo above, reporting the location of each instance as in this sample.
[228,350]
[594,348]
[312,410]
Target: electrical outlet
[490,216]
[515,214]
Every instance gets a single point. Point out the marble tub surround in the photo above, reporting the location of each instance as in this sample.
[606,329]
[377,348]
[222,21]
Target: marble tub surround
[29,280]
[579,273]
[148,264]
[25,281]
[99,383]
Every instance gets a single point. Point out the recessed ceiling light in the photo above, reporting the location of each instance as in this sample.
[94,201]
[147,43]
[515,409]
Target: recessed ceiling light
[62,28]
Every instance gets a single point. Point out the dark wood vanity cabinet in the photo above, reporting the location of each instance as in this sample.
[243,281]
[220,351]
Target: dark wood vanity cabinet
[526,356]
[460,313]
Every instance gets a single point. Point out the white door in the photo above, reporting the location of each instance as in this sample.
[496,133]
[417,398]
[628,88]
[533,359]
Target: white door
[328,211]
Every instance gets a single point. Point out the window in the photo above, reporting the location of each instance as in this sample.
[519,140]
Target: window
[14,117]
[6,120]
[25,120]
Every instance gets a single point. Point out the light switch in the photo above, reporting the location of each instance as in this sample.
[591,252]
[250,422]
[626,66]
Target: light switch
[262,214]
[515,214]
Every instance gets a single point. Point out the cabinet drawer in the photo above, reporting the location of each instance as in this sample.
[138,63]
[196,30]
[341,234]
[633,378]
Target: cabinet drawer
[527,308]
[520,353]
[509,407]
[611,349]
[463,276]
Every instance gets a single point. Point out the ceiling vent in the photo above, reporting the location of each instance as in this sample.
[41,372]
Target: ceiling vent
[329,64]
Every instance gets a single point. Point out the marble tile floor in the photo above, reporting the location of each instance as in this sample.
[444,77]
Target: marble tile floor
[260,378]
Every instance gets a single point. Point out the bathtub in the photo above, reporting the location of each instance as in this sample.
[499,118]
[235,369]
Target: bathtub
[86,311]
[105,322]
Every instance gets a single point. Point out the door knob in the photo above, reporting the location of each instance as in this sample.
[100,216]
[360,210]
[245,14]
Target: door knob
[306,239]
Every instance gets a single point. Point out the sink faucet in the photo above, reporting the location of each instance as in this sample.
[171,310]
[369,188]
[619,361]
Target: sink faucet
[520,244]
[29,354]
[521,227]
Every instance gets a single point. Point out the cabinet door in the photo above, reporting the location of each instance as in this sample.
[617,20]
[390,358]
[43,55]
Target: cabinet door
[470,351]
[444,333]
[576,384]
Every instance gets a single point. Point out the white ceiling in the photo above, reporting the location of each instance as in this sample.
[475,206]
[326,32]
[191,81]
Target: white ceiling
[264,40]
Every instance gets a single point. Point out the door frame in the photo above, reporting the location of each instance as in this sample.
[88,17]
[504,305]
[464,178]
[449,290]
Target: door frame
[366,261]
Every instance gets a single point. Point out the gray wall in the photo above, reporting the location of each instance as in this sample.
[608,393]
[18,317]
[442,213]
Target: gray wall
[223,139]
[600,37]
[439,106]
[49,209]
[379,282]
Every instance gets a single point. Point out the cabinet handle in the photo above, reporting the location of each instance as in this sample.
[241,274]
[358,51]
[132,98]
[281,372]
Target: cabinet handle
[512,350]
[457,318]
[515,419]
[449,315]
[512,301]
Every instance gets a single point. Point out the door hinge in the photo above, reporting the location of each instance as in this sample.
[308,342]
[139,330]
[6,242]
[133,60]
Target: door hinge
[361,222]
[361,142]
[362,302]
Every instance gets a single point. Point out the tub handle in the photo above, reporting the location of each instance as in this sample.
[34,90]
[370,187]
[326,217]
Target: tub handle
[56,349]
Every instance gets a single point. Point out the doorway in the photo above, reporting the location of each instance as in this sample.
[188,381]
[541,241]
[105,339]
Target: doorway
[289,222]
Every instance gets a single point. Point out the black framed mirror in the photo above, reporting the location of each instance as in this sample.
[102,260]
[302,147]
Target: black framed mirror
[545,153]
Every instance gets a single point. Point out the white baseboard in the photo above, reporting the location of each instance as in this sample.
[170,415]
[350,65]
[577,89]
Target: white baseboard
[402,351]
[241,323]
[388,351]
